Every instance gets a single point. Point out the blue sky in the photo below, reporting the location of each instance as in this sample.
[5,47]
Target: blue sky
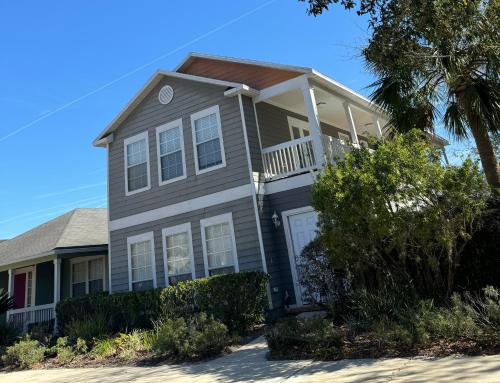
[67,68]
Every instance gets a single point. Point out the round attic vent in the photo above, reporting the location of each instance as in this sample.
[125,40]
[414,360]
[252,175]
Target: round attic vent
[166,95]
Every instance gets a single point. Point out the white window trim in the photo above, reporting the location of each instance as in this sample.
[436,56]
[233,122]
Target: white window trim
[149,236]
[302,125]
[183,228]
[128,141]
[86,260]
[223,218]
[163,128]
[25,270]
[196,116]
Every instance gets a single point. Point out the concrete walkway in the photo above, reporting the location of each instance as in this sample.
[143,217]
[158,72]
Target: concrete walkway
[248,364]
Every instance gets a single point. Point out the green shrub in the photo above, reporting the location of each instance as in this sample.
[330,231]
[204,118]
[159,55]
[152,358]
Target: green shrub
[86,328]
[9,332]
[42,332]
[65,353]
[197,337]
[311,337]
[25,353]
[128,346]
[238,300]
[103,348]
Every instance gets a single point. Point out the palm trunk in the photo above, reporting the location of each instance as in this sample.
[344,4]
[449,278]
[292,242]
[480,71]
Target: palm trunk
[487,155]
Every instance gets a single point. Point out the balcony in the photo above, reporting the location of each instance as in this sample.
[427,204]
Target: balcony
[298,156]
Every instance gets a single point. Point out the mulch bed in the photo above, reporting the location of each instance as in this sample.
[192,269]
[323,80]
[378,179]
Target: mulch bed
[366,346]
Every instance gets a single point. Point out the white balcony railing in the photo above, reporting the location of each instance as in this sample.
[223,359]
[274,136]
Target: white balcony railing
[26,316]
[288,158]
[297,156]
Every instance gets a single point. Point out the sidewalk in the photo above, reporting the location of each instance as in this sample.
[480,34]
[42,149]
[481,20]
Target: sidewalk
[248,364]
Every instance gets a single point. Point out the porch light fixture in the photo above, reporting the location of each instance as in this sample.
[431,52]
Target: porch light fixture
[276,220]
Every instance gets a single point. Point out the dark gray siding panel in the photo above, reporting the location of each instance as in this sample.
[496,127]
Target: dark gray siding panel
[273,124]
[44,283]
[278,262]
[245,230]
[190,97]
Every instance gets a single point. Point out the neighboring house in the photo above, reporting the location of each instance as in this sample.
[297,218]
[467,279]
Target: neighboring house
[210,168]
[65,257]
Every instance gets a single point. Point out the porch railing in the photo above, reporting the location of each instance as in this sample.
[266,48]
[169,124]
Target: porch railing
[26,316]
[288,158]
[297,156]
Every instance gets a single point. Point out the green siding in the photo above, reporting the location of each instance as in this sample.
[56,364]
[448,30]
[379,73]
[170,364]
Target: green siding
[4,280]
[65,278]
[44,283]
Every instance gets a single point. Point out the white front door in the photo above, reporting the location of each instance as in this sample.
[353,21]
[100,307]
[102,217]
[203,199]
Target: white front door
[300,228]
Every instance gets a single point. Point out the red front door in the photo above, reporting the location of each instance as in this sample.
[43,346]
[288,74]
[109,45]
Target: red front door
[19,290]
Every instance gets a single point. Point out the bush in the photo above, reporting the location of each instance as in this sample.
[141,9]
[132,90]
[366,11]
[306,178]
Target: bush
[322,285]
[311,337]
[238,300]
[63,350]
[87,328]
[198,337]
[9,332]
[25,353]
[103,348]
[128,346]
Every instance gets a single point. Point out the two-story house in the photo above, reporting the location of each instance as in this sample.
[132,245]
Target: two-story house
[210,168]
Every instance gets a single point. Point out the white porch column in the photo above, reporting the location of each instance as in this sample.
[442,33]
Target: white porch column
[9,287]
[57,288]
[378,130]
[350,122]
[314,124]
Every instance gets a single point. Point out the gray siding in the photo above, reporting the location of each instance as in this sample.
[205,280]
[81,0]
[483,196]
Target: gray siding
[278,261]
[245,228]
[190,97]
[273,124]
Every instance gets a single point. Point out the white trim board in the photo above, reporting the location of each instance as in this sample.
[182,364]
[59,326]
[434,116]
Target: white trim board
[205,201]
[289,183]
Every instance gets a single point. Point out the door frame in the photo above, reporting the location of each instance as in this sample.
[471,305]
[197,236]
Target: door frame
[285,215]
[25,270]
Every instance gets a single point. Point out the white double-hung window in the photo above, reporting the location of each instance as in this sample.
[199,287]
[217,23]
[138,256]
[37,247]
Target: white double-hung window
[178,253]
[207,140]
[136,151]
[170,151]
[87,275]
[141,262]
[219,245]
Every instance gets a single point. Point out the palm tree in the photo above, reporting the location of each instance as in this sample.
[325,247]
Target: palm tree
[435,59]
[441,60]
[6,302]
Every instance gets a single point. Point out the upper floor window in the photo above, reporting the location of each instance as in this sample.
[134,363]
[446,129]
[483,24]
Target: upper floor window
[178,253]
[207,140]
[219,245]
[136,163]
[170,151]
[141,262]
[87,276]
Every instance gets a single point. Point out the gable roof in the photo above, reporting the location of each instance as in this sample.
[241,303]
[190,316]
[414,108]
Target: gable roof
[144,91]
[77,228]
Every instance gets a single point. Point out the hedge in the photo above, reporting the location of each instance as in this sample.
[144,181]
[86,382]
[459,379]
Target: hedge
[238,300]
